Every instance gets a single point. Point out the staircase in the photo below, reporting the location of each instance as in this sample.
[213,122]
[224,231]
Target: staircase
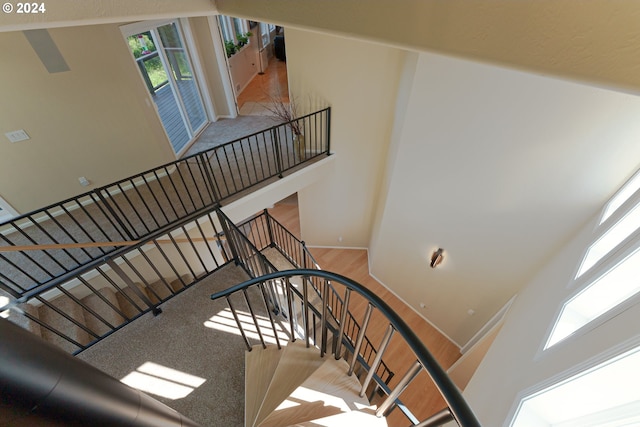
[72,320]
[296,387]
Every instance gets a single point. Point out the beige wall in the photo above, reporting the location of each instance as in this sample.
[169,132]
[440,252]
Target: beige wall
[596,41]
[91,121]
[359,81]
[63,13]
[203,35]
[500,168]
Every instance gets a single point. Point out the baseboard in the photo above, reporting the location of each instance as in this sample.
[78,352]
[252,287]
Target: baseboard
[414,309]
[339,247]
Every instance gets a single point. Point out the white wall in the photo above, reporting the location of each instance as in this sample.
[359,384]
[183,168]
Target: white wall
[359,81]
[513,367]
[498,167]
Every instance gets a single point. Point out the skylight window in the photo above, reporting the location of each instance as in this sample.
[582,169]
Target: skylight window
[622,196]
[604,287]
[604,396]
[608,291]
[612,238]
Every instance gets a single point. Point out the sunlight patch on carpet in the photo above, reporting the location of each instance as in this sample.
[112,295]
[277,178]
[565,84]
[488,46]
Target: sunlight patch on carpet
[162,381]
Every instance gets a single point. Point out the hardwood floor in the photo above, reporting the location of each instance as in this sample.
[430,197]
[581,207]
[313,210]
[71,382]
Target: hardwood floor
[421,396]
[273,84]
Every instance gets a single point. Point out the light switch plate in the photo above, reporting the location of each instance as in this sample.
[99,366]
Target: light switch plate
[17,135]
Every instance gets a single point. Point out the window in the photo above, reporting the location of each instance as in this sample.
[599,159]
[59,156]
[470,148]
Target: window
[609,274]
[265,33]
[603,396]
[232,28]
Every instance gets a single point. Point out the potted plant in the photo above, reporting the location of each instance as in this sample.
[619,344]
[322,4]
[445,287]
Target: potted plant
[287,113]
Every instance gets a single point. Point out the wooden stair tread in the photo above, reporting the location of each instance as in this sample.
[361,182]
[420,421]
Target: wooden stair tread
[260,365]
[360,417]
[325,393]
[296,364]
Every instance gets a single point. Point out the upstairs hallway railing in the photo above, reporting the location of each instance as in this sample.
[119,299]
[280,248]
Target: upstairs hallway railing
[135,207]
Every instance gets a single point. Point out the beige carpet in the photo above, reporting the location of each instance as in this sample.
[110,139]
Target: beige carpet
[181,339]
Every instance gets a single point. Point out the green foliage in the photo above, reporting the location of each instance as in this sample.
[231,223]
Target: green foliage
[137,47]
[232,48]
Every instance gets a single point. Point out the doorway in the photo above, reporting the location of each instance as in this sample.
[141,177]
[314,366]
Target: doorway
[163,60]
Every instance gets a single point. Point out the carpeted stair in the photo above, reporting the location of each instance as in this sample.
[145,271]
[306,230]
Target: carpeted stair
[103,311]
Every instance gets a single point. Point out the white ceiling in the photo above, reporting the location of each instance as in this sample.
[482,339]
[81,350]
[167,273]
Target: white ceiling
[499,168]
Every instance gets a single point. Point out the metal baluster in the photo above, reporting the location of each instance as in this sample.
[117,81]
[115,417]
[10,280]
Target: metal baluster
[273,323]
[193,246]
[195,184]
[127,280]
[239,175]
[276,150]
[166,195]
[133,208]
[400,387]
[155,198]
[65,231]
[323,325]
[97,204]
[290,308]
[102,297]
[376,362]
[31,278]
[51,328]
[186,262]
[206,166]
[224,179]
[343,319]
[240,328]
[305,311]
[206,243]
[166,258]
[144,202]
[186,188]
[118,218]
[155,270]
[245,164]
[328,131]
[360,338]
[19,230]
[253,316]
[437,419]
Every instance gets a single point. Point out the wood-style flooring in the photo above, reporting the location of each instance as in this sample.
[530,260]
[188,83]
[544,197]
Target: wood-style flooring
[264,88]
[421,396]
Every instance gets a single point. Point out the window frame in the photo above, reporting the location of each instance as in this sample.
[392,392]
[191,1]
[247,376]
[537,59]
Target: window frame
[582,280]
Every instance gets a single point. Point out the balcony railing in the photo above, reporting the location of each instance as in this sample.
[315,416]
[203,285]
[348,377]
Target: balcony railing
[58,239]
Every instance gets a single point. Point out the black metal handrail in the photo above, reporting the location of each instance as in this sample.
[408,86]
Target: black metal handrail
[140,276]
[458,408]
[255,263]
[263,230]
[135,207]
